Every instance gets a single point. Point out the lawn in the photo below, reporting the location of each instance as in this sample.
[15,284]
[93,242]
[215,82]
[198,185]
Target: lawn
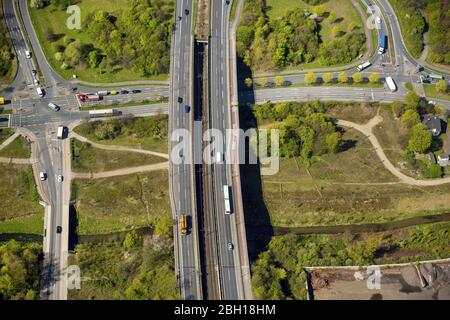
[347,188]
[86,158]
[353,111]
[431,92]
[344,9]
[19,148]
[121,203]
[20,211]
[148,133]
[5,134]
[55,19]
[109,271]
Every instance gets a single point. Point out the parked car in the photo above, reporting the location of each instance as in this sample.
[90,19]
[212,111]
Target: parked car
[432,102]
[114,92]
[180,100]
[123,92]
[136,91]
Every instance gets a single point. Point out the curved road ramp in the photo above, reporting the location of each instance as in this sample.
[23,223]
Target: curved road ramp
[429,280]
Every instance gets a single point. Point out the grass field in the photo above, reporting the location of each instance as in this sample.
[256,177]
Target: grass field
[20,211]
[111,272]
[353,111]
[121,203]
[86,158]
[129,135]
[344,9]
[350,187]
[50,17]
[431,92]
[5,134]
[19,148]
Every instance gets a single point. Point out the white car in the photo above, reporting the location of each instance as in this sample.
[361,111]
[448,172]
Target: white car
[28,54]
[43,176]
[378,20]
[40,92]
[36,82]
[432,102]
[60,178]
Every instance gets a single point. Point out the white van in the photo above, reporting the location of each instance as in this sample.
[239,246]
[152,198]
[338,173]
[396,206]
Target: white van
[28,54]
[219,157]
[43,176]
[53,106]
[40,92]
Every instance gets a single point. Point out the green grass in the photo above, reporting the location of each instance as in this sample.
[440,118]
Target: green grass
[111,272]
[20,211]
[50,17]
[431,92]
[408,85]
[343,8]
[348,188]
[121,203]
[5,134]
[86,158]
[129,134]
[233,10]
[352,111]
[19,148]
[3,111]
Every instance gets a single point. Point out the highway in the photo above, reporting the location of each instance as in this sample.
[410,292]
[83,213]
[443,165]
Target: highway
[181,170]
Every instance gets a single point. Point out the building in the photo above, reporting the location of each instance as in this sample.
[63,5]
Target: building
[433,123]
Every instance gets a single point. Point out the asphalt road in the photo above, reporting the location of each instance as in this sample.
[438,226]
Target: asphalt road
[221,172]
[181,172]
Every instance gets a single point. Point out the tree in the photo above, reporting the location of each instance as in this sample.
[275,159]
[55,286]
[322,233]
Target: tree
[374,77]
[164,227]
[319,10]
[432,171]
[263,80]
[441,86]
[351,26]
[412,99]
[248,82]
[333,141]
[357,77]
[327,77]
[420,139]
[398,107]
[310,78]
[332,16]
[132,239]
[336,31]
[343,77]
[410,118]
[59,56]
[279,80]
[94,58]
[38,4]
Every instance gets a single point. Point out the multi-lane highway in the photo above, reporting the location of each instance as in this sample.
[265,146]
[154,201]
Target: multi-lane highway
[181,170]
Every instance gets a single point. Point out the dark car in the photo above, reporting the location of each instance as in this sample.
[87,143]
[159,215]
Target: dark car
[123,91]
[33,72]
[186,11]
[187,108]
[286,83]
[58,229]
[227,1]
[270,84]
[180,100]
[136,91]
[4,119]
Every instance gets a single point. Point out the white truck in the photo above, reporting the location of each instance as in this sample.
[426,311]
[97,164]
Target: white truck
[60,133]
[391,84]
[363,66]
[226,195]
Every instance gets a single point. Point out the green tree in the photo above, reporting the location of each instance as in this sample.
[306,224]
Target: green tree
[279,80]
[164,227]
[310,78]
[319,10]
[343,77]
[441,86]
[332,16]
[333,140]
[132,240]
[59,56]
[327,77]
[374,77]
[336,31]
[410,118]
[263,80]
[398,107]
[38,4]
[357,77]
[248,82]
[412,99]
[420,139]
[94,58]
[432,171]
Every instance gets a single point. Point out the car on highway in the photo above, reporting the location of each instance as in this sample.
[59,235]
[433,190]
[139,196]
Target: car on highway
[180,100]
[227,1]
[136,91]
[34,73]
[53,106]
[4,119]
[40,92]
[179,18]
[230,246]
[270,84]
[43,176]
[123,91]
[58,229]
[186,11]
[187,108]
[114,92]
[28,54]
[36,82]
[60,178]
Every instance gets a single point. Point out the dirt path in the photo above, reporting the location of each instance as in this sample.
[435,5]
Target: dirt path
[15,160]
[121,172]
[116,147]
[366,129]
[9,140]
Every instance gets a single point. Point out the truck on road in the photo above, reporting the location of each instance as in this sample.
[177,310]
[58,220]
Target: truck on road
[183,224]
[227,197]
[2,100]
[391,84]
[60,133]
[383,43]
[83,97]
[363,66]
